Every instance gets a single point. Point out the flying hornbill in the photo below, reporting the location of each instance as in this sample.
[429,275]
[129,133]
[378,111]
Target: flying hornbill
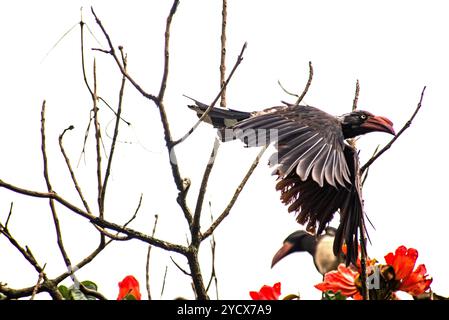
[320,248]
[317,170]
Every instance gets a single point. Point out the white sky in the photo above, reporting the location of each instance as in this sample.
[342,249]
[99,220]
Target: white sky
[394,49]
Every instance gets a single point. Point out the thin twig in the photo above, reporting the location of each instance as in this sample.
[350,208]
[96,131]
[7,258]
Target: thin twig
[309,82]
[113,111]
[204,115]
[286,91]
[26,253]
[163,86]
[356,95]
[234,198]
[405,127]
[213,274]
[164,281]
[59,240]
[86,260]
[83,65]
[180,268]
[91,292]
[72,173]
[115,135]
[38,283]
[352,141]
[224,17]
[58,41]
[97,143]
[147,269]
[195,229]
[86,135]
[116,236]
[112,52]
[9,215]
[365,175]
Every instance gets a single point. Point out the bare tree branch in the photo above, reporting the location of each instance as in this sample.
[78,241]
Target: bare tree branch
[309,82]
[97,144]
[9,215]
[72,173]
[147,273]
[179,267]
[59,240]
[112,52]
[405,127]
[164,281]
[356,95]
[213,274]
[195,229]
[224,17]
[352,141]
[195,271]
[115,135]
[161,94]
[91,292]
[83,64]
[365,175]
[204,115]
[38,283]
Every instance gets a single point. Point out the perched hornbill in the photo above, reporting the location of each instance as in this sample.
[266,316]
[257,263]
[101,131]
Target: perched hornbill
[320,248]
[317,170]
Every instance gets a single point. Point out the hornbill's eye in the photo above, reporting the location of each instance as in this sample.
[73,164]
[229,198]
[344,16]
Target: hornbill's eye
[363,116]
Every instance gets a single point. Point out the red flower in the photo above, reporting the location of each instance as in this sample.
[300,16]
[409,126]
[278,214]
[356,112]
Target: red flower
[403,261]
[129,286]
[267,292]
[343,279]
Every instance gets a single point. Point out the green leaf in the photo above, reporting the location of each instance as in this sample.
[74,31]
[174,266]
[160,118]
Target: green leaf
[65,292]
[2,296]
[129,297]
[74,293]
[90,285]
[330,295]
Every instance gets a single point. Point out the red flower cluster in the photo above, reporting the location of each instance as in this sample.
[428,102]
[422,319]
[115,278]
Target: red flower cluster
[344,280]
[129,289]
[267,292]
[414,282]
[403,261]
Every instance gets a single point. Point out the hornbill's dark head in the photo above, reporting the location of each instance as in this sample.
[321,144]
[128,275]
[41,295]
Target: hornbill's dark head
[360,122]
[320,248]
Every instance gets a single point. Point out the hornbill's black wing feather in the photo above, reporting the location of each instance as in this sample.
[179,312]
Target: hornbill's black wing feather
[351,212]
[310,142]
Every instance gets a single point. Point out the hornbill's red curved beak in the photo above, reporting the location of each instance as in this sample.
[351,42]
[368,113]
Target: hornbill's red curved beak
[285,250]
[378,123]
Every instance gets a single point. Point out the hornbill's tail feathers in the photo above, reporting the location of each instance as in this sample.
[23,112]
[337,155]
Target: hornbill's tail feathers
[218,117]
